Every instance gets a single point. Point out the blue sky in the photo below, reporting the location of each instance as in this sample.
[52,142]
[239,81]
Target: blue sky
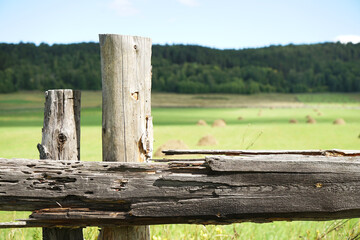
[213,23]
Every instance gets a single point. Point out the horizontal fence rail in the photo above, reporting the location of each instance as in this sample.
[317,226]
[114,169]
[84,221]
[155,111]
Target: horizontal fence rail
[211,190]
[332,152]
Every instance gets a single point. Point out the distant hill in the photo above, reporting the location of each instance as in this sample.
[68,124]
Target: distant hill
[326,67]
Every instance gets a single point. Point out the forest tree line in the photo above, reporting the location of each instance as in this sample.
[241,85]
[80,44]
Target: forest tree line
[325,67]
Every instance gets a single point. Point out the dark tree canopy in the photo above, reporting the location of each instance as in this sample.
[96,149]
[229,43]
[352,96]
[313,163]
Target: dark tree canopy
[326,67]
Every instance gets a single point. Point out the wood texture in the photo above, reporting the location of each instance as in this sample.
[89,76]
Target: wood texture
[331,152]
[214,190]
[127,132]
[61,141]
[61,130]
[275,163]
[126,85]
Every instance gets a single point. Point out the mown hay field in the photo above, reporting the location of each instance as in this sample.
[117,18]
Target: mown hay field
[252,122]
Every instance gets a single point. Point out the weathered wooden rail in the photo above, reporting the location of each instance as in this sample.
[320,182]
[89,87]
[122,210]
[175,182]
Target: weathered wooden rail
[212,190]
[332,152]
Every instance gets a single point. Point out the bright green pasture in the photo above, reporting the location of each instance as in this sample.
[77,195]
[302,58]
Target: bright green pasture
[260,128]
[328,98]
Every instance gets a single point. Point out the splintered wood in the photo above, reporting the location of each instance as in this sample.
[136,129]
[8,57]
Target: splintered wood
[127,133]
[61,140]
[61,130]
[126,100]
[211,190]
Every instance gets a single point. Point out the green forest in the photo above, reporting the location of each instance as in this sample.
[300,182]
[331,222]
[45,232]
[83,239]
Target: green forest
[325,67]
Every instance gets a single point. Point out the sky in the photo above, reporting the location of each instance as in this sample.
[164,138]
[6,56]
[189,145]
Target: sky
[223,24]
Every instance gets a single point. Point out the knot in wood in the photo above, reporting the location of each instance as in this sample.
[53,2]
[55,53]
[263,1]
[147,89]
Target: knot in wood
[62,138]
[61,141]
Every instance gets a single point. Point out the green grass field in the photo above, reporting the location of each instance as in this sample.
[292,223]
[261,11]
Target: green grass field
[265,125]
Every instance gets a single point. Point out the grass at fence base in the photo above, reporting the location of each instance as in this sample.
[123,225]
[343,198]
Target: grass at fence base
[340,229]
[20,131]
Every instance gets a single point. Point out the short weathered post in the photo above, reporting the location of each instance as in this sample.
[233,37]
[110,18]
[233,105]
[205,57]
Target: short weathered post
[61,141]
[126,110]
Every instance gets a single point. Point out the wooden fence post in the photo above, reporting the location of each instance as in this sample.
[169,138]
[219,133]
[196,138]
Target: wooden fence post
[61,141]
[126,110]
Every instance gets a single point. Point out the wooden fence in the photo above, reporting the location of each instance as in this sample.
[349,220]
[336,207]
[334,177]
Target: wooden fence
[129,191]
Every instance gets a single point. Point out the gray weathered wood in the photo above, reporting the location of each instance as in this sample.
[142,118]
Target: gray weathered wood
[216,190]
[61,141]
[126,120]
[331,152]
[126,86]
[275,163]
[61,130]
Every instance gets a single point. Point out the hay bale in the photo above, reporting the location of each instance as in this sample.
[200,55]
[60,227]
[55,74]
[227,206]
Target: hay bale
[311,120]
[339,121]
[293,121]
[240,118]
[201,123]
[260,113]
[208,140]
[219,123]
[319,114]
[308,117]
[170,145]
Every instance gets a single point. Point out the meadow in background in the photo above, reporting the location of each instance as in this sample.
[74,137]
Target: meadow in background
[252,122]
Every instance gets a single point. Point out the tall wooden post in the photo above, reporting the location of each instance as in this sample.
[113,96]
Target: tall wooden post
[126,110]
[61,141]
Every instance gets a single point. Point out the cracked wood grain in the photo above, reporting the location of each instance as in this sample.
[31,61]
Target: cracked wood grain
[126,100]
[214,190]
[61,141]
[61,130]
[331,152]
[127,131]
